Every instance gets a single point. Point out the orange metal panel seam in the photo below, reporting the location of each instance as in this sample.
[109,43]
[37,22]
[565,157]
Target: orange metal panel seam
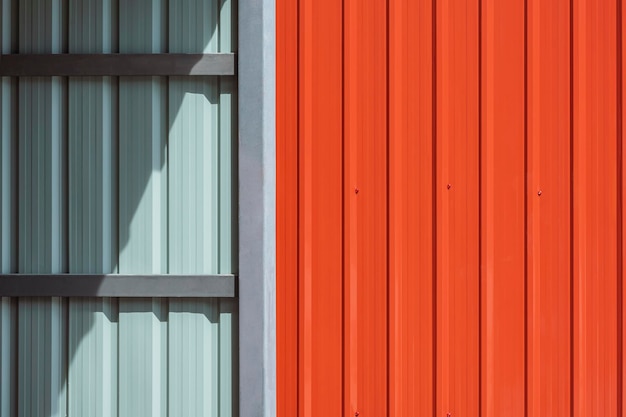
[351,195]
[620,225]
[435,199]
[387,214]
[572,235]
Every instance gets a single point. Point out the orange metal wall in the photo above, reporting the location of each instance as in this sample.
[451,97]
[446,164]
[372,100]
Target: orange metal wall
[450,190]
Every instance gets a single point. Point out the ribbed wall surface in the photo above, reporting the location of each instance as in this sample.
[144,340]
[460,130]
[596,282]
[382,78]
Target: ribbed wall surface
[108,175]
[450,208]
[8,209]
[92,165]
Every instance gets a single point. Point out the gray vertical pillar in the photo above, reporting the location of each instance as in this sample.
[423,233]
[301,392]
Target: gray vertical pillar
[257,223]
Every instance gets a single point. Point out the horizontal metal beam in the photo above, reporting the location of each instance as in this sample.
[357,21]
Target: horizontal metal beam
[114,285]
[80,65]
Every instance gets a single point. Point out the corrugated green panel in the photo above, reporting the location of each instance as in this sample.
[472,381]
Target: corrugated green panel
[200,331]
[92,26]
[93,351]
[193,26]
[228,26]
[8,26]
[92,175]
[159,152]
[143,214]
[193,358]
[143,26]
[92,145]
[42,26]
[8,211]
[8,202]
[228,144]
[228,177]
[42,170]
[93,328]
[8,354]
[229,346]
[194,244]
[228,359]
[194,187]
[42,335]
[42,357]
[142,141]
[8,175]
[8,144]
[142,176]
[42,143]
[194,226]
[143,378]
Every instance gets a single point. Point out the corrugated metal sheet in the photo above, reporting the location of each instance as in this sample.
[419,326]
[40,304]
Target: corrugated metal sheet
[8,202]
[42,215]
[129,175]
[450,186]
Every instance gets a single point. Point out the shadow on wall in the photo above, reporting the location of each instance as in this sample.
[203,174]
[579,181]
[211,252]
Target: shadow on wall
[171,190]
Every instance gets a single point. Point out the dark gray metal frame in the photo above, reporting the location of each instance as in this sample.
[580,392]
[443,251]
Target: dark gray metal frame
[257,203]
[117,285]
[80,65]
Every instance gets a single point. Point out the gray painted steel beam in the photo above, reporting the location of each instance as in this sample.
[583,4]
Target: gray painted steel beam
[78,65]
[114,285]
[257,207]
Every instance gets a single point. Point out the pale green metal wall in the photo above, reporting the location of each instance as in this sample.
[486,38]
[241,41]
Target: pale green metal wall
[118,174]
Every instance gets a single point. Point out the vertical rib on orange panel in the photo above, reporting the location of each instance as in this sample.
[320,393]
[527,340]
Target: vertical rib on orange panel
[621,55]
[411,208]
[351,195]
[549,234]
[366,165]
[503,214]
[595,204]
[320,208]
[287,208]
[621,156]
[458,381]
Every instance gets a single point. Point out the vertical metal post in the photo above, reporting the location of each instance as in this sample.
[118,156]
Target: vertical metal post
[257,195]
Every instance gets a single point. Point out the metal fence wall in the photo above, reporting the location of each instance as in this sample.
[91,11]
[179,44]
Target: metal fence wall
[130,175]
[450,208]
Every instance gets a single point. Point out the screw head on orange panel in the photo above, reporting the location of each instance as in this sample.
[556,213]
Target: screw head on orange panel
[356,191]
[449,186]
[539,193]
[356,414]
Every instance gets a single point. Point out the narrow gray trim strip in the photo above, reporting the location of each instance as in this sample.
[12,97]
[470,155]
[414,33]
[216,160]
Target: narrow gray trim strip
[113,285]
[257,208]
[78,65]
